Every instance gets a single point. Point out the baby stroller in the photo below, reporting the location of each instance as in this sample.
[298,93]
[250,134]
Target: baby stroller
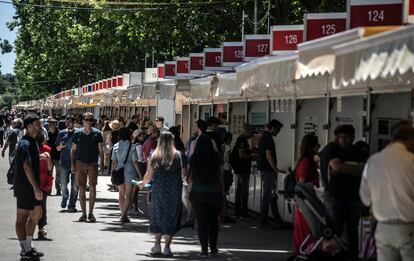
[321,226]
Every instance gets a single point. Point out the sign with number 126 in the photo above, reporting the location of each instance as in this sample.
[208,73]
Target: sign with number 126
[285,38]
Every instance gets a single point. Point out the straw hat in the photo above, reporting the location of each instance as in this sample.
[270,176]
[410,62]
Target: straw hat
[115,125]
[151,129]
[138,132]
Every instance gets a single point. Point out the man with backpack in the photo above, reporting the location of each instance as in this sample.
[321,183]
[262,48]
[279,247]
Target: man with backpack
[241,162]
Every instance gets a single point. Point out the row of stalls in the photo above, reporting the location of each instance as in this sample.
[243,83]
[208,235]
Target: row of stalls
[362,77]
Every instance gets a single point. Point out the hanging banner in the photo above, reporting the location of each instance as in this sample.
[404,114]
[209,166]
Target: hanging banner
[375,13]
[232,53]
[196,63]
[212,59]
[255,46]
[324,24]
[160,70]
[169,70]
[285,38]
[409,11]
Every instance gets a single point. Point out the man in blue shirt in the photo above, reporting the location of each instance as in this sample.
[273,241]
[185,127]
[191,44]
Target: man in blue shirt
[64,145]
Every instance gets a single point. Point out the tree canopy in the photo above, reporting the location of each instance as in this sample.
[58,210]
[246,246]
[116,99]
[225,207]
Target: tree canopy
[61,48]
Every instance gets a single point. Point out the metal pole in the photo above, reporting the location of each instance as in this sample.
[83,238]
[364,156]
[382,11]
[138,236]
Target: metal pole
[153,52]
[268,18]
[255,16]
[145,60]
[242,32]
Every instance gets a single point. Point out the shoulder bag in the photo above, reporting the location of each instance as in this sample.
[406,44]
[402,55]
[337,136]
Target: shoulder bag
[117,176]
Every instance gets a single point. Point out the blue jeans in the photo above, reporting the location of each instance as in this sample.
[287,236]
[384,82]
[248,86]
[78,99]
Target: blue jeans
[269,179]
[66,175]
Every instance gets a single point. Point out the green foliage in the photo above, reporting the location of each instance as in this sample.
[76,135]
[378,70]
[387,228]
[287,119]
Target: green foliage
[73,47]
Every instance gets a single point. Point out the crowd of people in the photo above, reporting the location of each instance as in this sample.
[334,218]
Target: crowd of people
[197,175]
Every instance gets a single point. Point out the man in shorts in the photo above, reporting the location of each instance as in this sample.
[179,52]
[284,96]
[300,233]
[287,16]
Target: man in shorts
[87,147]
[26,187]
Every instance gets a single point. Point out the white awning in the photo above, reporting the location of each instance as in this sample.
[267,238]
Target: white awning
[317,57]
[167,89]
[268,76]
[201,88]
[388,56]
[227,85]
[149,91]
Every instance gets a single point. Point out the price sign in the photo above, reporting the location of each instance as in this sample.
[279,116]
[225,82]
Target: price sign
[324,24]
[169,69]
[285,38]
[212,59]
[375,12]
[160,70]
[232,53]
[182,65]
[196,62]
[256,45]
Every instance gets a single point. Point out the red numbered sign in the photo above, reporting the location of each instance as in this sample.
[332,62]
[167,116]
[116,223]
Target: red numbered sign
[409,11]
[105,84]
[285,38]
[182,65]
[212,59]
[324,24]
[256,45]
[196,62]
[119,79]
[232,53]
[375,12]
[109,83]
[160,71]
[169,69]
[100,85]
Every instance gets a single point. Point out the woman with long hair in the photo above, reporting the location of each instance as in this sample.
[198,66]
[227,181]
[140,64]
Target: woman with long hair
[206,196]
[138,137]
[125,156]
[306,173]
[165,170]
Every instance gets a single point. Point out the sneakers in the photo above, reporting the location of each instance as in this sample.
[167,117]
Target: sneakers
[31,255]
[91,218]
[156,250]
[63,204]
[82,218]
[72,210]
[167,252]
[41,235]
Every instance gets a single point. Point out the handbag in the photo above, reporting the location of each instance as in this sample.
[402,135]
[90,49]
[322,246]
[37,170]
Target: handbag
[117,175]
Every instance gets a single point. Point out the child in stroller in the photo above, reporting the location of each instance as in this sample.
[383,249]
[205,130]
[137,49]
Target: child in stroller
[324,242]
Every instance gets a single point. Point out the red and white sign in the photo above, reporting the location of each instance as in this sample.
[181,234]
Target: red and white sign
[232,53]
[119,80]
[100,85]
[212,59]
[255,46]
[324,24]
[375,12]
[160,70]
[109,83]
[114,82]
[182,65]
[409,11]
[105,84]
[196,63]
[169,70]
[285,38]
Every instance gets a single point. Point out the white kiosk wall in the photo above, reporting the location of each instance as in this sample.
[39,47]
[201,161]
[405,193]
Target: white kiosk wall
[205,112]
[194,117]
[166,109]
[152,112]
[389,109]
[347,110]
[185,123]
[311,116]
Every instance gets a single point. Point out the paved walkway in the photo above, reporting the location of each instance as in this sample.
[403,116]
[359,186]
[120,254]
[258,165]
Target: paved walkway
[108,239]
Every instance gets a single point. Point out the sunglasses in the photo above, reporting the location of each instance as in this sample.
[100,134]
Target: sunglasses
[90,120]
